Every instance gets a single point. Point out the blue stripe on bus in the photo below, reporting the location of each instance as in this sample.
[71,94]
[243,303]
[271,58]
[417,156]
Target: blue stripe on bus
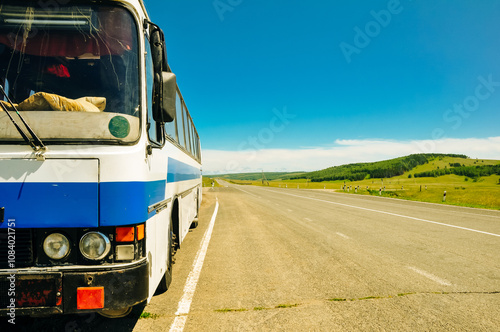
[66,204]
[47,205]
[179,171]
[58,205]
[125,203]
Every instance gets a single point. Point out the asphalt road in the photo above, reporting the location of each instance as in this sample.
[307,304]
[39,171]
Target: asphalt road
[297,260]
[312,260]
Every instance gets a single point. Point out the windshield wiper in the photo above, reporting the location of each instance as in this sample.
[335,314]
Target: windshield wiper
[35,142]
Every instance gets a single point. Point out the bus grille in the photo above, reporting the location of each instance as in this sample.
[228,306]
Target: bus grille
[23,248]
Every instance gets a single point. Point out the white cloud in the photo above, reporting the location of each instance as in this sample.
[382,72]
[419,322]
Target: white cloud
[342,152]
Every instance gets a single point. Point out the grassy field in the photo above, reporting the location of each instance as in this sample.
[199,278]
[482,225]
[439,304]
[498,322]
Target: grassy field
[207,182]
[460,190]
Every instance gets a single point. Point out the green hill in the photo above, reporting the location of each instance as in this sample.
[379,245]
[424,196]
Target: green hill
[415,165]
[381,169]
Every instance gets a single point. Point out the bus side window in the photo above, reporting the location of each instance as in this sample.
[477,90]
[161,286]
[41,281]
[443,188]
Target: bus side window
[171,127]
[186,127]
[180,121]
[193,138]
[189,139]
[154,129]
[199,149]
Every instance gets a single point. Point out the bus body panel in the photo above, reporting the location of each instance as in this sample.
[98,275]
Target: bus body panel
[49,194]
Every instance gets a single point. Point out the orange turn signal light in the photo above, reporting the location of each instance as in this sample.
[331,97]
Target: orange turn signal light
[140,232]
[125,234]
[90,298]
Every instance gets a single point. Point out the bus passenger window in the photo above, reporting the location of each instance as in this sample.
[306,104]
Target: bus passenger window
[186,126]
[193,138]
[189,138]
[171,127]
[180,121]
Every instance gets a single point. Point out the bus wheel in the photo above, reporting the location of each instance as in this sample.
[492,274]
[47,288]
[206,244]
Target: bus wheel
[166,280]
[118,313]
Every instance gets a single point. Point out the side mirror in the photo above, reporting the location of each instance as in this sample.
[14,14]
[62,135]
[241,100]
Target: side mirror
[169,92]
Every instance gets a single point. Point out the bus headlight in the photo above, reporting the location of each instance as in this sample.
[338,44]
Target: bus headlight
[56,246]
[94,245]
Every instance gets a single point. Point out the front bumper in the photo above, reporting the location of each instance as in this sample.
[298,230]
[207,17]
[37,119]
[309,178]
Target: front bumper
[41,292]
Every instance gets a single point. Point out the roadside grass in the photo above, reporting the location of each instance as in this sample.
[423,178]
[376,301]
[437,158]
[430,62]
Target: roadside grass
[370,298]
[460,190]
[230,310]
[379,297]
[335,299]
[146,315]
[207,182]
[281,306]
[245,182]
[483,192]
[340,299]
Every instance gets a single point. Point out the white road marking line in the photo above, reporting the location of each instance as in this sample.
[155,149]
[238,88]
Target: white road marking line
[430,276]
[343,235]
[433,206]
[389,213]
[192,280]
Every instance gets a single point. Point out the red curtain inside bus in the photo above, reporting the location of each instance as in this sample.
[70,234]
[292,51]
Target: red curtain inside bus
[113,37]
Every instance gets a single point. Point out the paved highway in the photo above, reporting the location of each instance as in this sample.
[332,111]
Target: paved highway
[296,260]
[270,259]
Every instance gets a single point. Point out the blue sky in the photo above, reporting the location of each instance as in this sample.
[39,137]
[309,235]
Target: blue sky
[295,85]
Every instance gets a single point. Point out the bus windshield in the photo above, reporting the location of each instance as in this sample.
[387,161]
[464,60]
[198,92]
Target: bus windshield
[72,72]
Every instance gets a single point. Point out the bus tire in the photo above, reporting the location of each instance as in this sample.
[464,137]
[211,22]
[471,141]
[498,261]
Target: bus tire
[118,313]
[166,280]
[133,311]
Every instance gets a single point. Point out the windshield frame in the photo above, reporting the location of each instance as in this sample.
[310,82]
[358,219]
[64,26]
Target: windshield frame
[137,74]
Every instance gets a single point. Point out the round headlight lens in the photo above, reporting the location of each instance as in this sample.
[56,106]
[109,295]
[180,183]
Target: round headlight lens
[94,245]
[56,246]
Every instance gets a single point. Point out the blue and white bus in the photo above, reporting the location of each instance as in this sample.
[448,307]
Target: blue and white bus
[100,162]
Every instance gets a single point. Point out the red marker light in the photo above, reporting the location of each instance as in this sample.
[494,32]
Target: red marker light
[89,298]
[125,234]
